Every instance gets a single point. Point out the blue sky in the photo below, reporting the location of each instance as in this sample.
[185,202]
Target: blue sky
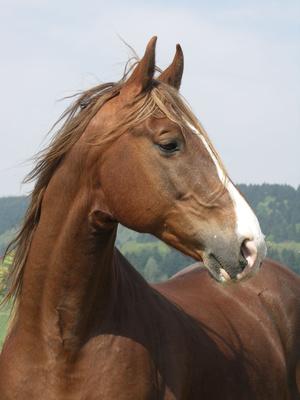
[242,64]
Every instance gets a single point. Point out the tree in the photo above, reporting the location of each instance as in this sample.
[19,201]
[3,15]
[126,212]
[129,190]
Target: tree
[152,272]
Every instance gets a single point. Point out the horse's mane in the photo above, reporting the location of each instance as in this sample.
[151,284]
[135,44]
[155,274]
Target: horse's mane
[161,98]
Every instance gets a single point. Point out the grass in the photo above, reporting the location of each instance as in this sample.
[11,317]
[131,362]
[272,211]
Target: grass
[4,310]
[293,246]
[4,315]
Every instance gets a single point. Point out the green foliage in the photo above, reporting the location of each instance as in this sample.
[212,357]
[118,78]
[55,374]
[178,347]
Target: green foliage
[278,210]
[277,207]
[4,269]
[286,252]
[4,316]
[12,210]
[152,271]
[140,251]
[5,238]
[3,279]
[4,310]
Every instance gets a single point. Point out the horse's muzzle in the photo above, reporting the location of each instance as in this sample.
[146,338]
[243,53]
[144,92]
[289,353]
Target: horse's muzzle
[227,262]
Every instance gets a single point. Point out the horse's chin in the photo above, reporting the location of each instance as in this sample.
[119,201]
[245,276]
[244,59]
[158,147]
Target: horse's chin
[219,273]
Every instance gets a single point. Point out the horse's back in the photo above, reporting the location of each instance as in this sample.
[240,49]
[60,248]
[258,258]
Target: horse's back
[255,324]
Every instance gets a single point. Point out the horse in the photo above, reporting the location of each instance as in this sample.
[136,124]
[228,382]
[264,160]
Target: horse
[86,325]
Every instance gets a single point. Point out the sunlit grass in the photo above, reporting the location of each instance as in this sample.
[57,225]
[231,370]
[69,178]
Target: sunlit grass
[4,310]
[4,315]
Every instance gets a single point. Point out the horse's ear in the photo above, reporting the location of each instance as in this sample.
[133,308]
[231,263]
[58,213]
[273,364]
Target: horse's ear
[173,74]
[141,78]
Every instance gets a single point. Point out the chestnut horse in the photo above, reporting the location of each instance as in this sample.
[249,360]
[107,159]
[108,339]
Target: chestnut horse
[86,325]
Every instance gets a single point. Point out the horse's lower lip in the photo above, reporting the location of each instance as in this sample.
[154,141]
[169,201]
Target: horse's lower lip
[215,268]
[220,273]
[224,276]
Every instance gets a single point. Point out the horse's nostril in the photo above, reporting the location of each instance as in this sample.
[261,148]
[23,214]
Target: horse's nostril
[248,253]
[242,261]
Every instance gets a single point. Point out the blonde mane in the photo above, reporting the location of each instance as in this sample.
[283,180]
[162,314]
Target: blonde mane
[73,122]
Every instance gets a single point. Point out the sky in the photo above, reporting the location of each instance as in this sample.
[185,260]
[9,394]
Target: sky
[241,78]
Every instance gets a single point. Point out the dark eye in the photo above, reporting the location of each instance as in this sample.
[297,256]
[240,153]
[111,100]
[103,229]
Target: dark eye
[170,147]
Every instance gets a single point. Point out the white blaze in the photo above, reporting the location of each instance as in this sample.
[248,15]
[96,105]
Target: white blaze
[247,225]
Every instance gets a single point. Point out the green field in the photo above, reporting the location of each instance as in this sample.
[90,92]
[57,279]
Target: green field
[4,314]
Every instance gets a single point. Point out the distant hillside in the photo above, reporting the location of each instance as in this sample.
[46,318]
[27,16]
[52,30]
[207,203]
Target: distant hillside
[12,210]
[277,207]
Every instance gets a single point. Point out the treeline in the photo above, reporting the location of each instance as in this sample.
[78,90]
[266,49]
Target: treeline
[152,258]
[278,210]
[12,210]
[277,207]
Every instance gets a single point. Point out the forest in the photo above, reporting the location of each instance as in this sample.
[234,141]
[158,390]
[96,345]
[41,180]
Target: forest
[277,207]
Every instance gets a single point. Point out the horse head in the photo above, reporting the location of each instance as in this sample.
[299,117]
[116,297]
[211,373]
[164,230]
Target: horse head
[160,174]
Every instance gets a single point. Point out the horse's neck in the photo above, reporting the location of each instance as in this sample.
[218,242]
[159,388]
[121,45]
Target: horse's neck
[68,275]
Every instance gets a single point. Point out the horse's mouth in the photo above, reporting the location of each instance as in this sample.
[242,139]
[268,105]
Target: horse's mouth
[222,273]
[218,270]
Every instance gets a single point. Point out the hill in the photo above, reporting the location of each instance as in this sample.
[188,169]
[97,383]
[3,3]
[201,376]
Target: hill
[277,207]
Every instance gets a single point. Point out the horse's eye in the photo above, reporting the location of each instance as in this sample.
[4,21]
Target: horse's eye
[170,147]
